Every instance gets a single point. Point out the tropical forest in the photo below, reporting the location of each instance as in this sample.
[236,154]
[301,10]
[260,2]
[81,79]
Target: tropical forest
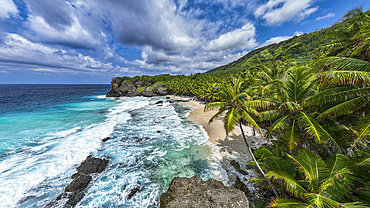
[312,95]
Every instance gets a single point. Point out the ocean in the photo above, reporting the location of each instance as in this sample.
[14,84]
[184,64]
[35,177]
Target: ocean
[46,131]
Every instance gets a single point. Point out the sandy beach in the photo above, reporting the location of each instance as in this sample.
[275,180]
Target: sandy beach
[231,145]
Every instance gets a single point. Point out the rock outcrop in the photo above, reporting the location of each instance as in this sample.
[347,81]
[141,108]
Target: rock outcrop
[137,88]
[196,193]
[73,193]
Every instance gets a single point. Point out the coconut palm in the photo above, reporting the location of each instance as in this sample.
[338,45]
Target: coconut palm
[311,181]
[238,106]
[294,118]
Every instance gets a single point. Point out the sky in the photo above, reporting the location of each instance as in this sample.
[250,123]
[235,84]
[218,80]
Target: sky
[92,41]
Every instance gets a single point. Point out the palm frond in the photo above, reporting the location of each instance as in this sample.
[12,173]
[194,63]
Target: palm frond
[336,95]
[343,108]
[314,129]
[292,137]
[343,63]
[270,115]
[291,184]
[214,106]
[232,117]
[352,78]
[321,201]
[313,167]
[247,117]
[364,131]
[287,203]
[279,125]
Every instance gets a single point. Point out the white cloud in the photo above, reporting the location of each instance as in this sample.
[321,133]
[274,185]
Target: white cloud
[328,15]
[7,8]
[17,50]
[238,39]
[279,39]
[75,34]
[276,12]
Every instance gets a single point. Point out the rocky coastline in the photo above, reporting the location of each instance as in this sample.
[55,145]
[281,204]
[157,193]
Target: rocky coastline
[122,88]
[238,174]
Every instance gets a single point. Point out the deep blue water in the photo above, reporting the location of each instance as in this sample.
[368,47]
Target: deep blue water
[46,131]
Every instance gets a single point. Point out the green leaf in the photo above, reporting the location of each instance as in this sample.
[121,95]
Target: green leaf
[291,184]
[232,117]
[313,167]
[289,203]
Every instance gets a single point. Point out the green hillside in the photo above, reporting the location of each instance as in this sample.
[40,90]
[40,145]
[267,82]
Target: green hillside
[300,49]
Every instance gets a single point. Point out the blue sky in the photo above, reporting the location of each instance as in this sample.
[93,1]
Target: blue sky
[92,41]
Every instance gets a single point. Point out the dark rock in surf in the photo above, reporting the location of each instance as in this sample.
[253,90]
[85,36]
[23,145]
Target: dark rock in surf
[106,139]
[78,183]
[196,193]
[74,191]
[236,165]
[92,165]
[133,192]
[241,186]
[159,102]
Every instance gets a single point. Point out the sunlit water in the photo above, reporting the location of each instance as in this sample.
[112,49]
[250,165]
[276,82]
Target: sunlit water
[46,131]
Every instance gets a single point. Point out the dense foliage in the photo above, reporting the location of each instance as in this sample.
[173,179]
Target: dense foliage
[313,93]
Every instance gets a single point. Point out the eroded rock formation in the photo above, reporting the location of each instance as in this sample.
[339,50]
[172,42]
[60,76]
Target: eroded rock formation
[196,193]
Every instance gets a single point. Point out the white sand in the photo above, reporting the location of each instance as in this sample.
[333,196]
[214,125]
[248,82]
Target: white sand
[231,145]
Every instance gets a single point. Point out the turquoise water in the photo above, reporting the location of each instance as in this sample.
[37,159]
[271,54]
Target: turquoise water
[47,131]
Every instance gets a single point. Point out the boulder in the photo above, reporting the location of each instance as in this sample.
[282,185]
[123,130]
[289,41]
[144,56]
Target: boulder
[92,165]
[236,165]
[128,89]
[148,92]
[159,89]
[196,193]
[73,193]
[133,192]
[115,92]
[78,183]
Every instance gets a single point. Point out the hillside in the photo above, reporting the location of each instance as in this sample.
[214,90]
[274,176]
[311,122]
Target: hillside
[298,48]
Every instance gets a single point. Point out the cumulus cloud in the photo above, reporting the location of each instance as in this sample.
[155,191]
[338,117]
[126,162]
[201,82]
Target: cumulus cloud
[238,39]
[17,50]
[7,8]
[328,15]
[276,12]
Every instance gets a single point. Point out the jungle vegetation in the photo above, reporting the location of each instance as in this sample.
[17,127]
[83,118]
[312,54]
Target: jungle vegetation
[312,94]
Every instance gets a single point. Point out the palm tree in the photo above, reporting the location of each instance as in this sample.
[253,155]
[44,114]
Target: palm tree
[238,106]
[294,117]
[312,181]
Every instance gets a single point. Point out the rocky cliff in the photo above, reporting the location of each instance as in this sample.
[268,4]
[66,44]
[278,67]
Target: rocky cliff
[196,193]
[122,88]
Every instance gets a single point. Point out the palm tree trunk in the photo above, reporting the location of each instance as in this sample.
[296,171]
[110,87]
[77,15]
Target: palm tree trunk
[255,161]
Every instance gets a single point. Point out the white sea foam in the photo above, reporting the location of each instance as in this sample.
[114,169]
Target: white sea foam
[24,171]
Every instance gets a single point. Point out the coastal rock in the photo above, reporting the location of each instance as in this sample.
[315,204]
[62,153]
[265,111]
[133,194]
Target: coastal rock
[74,191]
[106,139]
[133,192]
[196,193]
[128,89]
[92,165]
[236,165]
[78,183]
[148,92]
[116,83]
[159,89]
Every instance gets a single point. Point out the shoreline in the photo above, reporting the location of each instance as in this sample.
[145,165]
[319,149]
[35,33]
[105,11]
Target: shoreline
[230,146]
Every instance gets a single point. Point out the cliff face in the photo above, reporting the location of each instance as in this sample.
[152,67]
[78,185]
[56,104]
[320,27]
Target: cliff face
[126,88]
[196,193]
